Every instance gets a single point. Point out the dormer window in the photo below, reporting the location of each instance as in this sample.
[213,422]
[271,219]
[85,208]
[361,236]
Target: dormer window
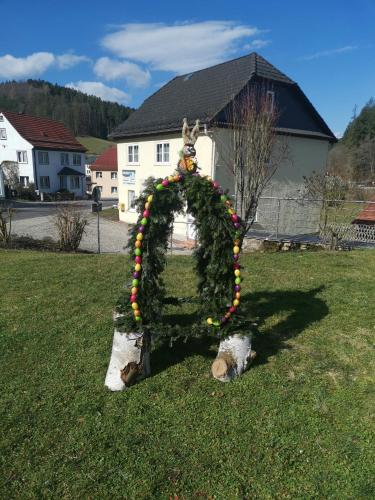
[3,134]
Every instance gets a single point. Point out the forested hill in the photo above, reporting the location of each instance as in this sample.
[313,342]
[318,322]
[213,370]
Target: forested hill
[362,127]
[81,113]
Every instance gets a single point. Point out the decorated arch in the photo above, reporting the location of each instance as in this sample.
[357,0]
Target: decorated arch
[218,233]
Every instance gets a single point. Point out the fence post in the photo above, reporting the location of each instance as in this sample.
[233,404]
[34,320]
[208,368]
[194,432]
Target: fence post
[278,217]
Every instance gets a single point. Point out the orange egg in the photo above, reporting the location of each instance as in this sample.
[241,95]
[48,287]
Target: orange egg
[238,295]
[137,312]
[134,290]
[138,244]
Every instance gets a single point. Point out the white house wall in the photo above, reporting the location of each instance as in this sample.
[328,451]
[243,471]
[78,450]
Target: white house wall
[304,156]
[13,143]
[147,167]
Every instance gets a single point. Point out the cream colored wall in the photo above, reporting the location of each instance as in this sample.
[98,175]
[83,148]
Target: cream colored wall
[148,167]
[213,152]
[106,182]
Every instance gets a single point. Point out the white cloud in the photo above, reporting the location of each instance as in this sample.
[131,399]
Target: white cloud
[20,67]
[181,47]
[66,61]
[98,89]
[331,52]
[257,44]
[111,69]
[36,64]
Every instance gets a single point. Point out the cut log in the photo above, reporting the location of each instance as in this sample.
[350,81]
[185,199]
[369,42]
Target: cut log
[130,360]
[233,357]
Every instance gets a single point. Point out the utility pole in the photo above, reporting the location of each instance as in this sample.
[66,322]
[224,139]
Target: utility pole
[96,195]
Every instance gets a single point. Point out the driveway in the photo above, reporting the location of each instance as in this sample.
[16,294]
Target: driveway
[113,235]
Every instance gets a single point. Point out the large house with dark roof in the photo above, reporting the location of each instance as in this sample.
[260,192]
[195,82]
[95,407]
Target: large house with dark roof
[44,151]
[149,140]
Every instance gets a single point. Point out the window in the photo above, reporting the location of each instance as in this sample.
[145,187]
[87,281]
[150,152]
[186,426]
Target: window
[1,118]
[24,181]
[131,201]
[76,159]
[113,176]
[63,182]
[44,182]
[43,158]
[64,158]
[22,156]
[270,99]
[74,182]
[162,152]
[114,190]
[133,156]
[128,176]
[3,134]
[98,175]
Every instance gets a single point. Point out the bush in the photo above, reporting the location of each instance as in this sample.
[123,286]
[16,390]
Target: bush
[70,225]
[5,227]
[27,193]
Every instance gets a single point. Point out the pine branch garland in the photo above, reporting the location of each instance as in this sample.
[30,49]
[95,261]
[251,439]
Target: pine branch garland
[216,234]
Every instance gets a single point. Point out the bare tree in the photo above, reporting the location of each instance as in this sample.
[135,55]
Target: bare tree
[255,150]
[11,174]
[331,192]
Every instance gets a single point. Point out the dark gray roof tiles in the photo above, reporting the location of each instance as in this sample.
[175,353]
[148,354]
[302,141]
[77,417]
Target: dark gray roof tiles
[201,94]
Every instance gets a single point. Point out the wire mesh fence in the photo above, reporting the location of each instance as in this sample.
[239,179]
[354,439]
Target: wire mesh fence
[324,221]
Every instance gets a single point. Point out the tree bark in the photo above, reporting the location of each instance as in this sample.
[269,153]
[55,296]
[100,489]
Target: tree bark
[130,360]
[233,358]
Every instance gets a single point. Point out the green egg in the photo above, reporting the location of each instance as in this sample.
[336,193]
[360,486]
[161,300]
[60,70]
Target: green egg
[138,251]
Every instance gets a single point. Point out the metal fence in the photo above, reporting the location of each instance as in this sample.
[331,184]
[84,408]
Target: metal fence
[305,220]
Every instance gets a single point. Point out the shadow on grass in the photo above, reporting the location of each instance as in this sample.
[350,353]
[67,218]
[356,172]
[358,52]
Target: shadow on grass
[298,309]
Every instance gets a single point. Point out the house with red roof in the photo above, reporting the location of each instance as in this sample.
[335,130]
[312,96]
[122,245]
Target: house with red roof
[104,173]
[367,215]
[45,152]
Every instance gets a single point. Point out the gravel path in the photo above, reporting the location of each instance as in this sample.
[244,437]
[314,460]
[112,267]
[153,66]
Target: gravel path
[113,235]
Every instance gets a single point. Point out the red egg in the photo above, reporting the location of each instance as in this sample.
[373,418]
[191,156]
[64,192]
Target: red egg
[146,213]
[232,309]
[133,298]
[234,217]
[165,182]
[138,259]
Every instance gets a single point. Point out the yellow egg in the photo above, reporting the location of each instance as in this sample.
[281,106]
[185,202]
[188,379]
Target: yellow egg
[209,321]
[134,290]
[171,178]
[139,236]
[237,272]
[236,249]
[137,267]
[135,306]
[150,198]
[230,211]
[236,302]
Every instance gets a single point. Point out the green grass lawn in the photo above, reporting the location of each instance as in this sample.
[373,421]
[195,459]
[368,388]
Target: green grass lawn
[110,214]
[94,145]
[298,424]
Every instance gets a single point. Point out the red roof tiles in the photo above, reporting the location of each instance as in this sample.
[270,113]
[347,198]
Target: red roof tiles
[367,216]
[44,133]
[107,161]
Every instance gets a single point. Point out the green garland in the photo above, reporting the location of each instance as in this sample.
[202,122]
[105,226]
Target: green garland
[218,231]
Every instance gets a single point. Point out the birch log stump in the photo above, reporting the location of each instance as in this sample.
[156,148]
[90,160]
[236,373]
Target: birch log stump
[130,360]
[233,357]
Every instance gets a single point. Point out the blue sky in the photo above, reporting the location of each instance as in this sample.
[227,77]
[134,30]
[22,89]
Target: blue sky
[125,50]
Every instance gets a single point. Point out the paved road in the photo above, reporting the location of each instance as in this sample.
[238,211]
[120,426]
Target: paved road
[25,210]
